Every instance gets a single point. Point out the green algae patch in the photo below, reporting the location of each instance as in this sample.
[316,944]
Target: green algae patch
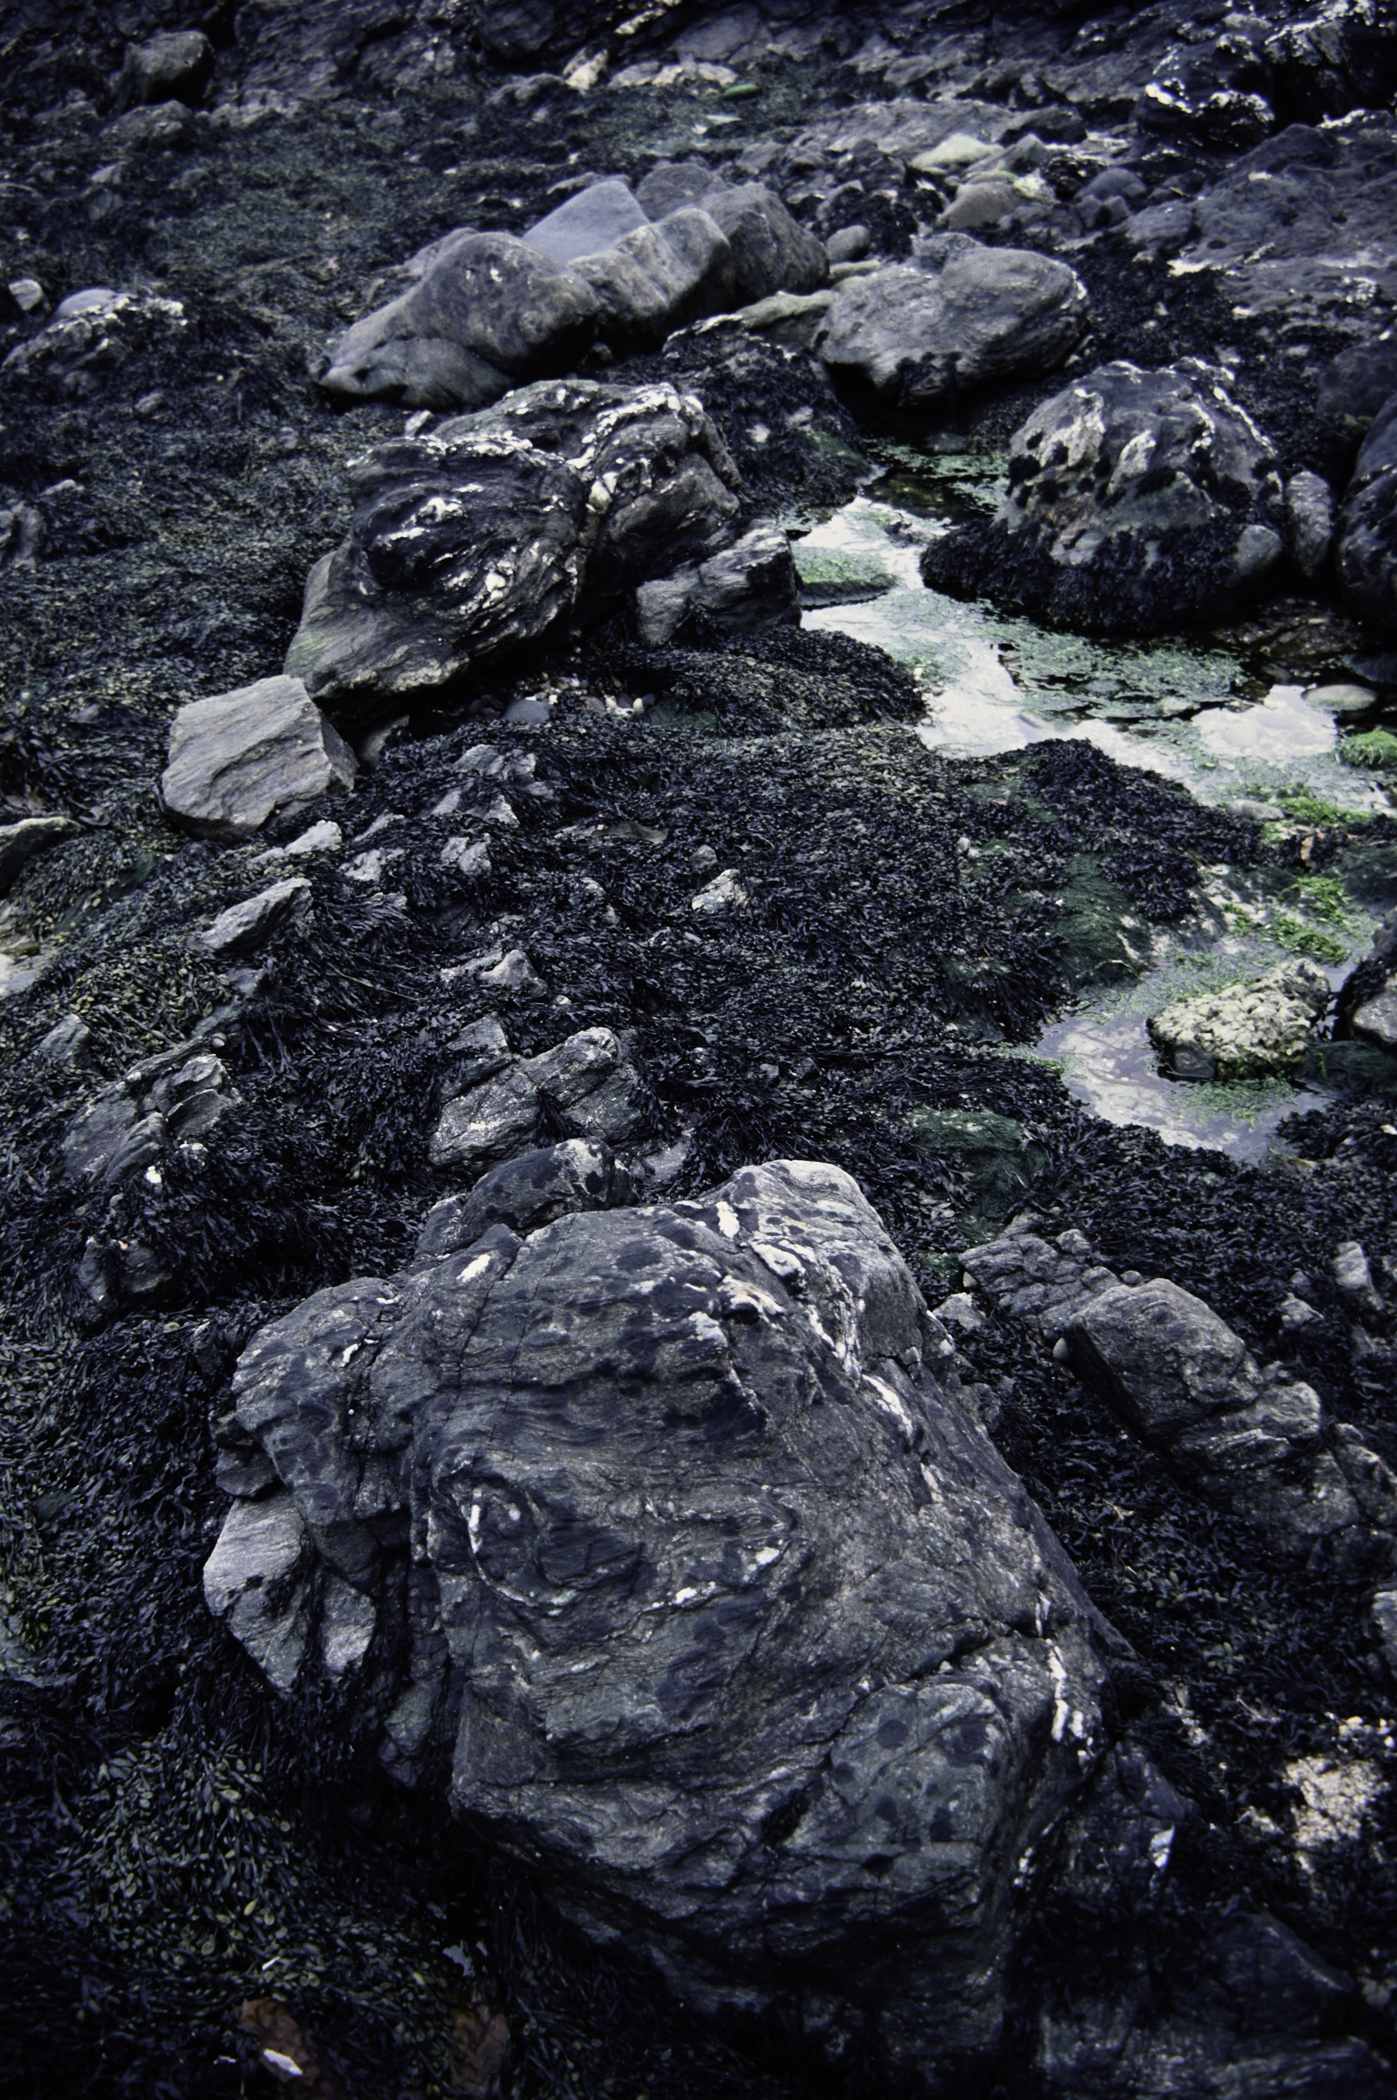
[1375,750]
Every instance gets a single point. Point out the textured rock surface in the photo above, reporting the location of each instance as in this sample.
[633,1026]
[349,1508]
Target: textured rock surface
[738,1625]
[750,585]
[238,758]
[489,312]
[914,336]
[1137,500]
[1366,547]
[1260,1027]
[1247,1439]
[770,252]
[656,278]
[22,842]
[597,217]
[469,541]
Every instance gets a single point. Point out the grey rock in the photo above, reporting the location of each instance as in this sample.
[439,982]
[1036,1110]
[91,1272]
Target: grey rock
[740,1629]
[1382,1610]
[655,279]
[92,332]
[1260,1027]
[770,252]
[1353,1279]
[501,970]
[517,28]
[166,124]
[66,1044]
[255,1581]
[176,66]
[672,184]
[597,217]
[1365,553]
[489,312]
[1309,509]
[237,759]
[1137,501]
[584,1079]
[524,1193]
[980,203]
[751,585]
[480,1050]
[476,538]
[22,842]
[913,336]
[94,1136]
[1376,1018]
[245,925]
[850,244]
[1188,1385]
[1184,1382]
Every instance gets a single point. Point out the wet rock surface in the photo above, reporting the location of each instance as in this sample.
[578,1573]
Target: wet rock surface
[1260,1027]
[377,1024]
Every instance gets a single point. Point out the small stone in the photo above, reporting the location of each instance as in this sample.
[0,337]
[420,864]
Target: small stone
[469,857]
[1376,1018]
[244,925]
[66,1044]
[724,892]
[255,1581]
[1353,1278]
[1309,509]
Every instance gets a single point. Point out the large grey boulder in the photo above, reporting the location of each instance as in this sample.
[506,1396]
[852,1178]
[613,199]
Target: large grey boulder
[478,537]
[1366,548]
[1137,501]
[913,335]
[771,252]
[597,217]
[488,312]
[1246,1030]
[239,757]
[654,280]
[735,1626]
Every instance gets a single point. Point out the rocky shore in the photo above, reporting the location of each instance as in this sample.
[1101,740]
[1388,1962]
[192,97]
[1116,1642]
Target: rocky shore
[609,1482]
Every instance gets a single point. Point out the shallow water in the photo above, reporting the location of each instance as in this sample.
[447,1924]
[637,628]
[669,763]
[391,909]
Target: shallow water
[998,683]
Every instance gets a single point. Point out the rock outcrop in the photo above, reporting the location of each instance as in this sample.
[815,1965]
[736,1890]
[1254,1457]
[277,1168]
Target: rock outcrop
[732,1620]
[1366,547]
[912,336]
[481,535]
[1137,501]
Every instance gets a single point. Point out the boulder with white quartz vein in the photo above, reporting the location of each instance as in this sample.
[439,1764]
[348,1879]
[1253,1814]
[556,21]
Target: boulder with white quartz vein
[730,1618]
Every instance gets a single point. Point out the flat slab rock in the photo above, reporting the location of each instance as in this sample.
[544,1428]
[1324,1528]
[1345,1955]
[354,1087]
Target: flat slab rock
[1248,1029]
[731,1618]
[239,757]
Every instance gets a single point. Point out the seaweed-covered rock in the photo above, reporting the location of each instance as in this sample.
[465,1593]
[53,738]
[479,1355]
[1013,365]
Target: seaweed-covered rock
[488,312]
[913,335]
[1247,1029]
[477,537]
[740,1630]
[1136,500]
[1366,545]
[92,334]
[239,757]
[24,841]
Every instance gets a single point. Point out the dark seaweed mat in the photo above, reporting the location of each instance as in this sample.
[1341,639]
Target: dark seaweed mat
[812,1023]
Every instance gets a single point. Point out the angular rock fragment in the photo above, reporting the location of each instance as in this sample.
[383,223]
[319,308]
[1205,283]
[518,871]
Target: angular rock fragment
[1309,509]
[1247,1030]
[770,251]
[736,1624]
[526,1192]
[750,585]
[245,925]
[655,279]
[255,1581]
[911,336]
[472,540]
[1137,501]
[238,758]
[595,218]
[585,1079]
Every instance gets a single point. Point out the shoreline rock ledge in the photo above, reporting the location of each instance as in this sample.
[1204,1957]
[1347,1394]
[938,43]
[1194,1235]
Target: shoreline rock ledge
[659,1531]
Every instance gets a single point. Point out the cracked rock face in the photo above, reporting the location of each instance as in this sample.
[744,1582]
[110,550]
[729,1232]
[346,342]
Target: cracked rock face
[727,1616]
[1136,500]
[478,537]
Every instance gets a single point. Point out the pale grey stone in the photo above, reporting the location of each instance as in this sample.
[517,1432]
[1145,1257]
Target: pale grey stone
[239,757]
[256,1582]
[1309,509]
[244,925]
